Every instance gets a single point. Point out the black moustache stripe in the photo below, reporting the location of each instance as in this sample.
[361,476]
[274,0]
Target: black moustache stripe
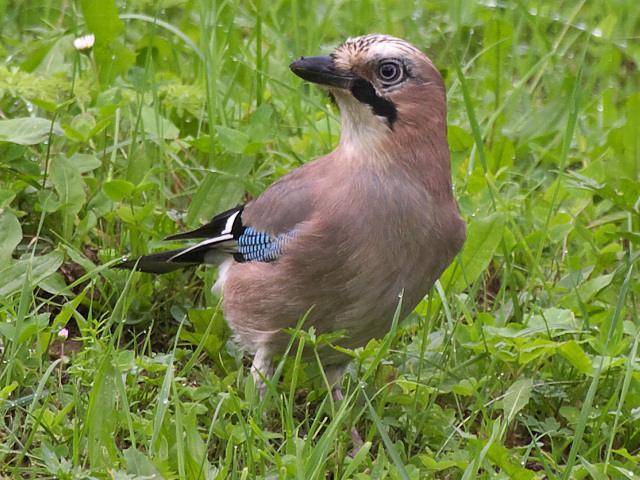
[364,92]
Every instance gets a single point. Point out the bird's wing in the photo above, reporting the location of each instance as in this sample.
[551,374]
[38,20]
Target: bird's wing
[289,201]
[257,231]
[217,226]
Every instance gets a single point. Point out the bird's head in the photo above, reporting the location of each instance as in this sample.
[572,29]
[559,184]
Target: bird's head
[385,88]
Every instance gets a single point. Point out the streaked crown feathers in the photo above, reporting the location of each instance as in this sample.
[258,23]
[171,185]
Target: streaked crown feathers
[360,50]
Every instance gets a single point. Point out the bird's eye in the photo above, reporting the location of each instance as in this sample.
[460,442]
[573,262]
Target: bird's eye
[390,72]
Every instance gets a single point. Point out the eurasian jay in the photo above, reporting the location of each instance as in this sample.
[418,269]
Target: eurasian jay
[342,236]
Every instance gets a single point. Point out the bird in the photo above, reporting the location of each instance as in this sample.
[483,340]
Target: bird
[341,237]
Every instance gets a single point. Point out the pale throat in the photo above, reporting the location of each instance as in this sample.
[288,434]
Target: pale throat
[363,134]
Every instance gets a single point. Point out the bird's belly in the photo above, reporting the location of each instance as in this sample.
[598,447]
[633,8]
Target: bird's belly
[340,294]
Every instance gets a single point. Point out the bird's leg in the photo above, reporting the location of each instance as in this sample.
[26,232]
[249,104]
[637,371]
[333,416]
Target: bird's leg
[335,376]
[261,370]
[336,393]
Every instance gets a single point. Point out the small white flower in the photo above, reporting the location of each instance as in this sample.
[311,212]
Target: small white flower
[84,42]
[63,333]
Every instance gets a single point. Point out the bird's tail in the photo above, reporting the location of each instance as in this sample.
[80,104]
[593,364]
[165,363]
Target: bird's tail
[156,262]
[220,240]
[172,260]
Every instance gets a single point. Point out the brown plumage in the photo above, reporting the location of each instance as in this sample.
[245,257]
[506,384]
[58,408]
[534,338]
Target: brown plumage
[373,218]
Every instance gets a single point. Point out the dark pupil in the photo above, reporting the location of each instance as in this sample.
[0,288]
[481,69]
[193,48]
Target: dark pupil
[388,71]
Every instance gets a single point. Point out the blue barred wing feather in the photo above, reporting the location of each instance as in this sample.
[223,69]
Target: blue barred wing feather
[255,246]
[225,234]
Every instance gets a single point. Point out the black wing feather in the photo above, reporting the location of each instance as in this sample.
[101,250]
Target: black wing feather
[158,262]
[218,237]
[209,230]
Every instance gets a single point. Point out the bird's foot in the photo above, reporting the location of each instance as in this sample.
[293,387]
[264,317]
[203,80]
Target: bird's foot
[356,441]
[261,370]
[337,395]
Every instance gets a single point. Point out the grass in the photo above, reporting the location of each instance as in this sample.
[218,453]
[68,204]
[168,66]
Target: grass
[522,361]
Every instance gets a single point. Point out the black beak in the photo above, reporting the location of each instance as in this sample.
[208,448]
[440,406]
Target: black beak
[323,71]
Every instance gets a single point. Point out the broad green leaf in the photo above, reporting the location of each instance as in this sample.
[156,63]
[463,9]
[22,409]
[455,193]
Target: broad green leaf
[465,387]
[589,288]
[102,19]
[630,167]
[139,464]
[117,190]
[53,61]
[516,398]
[552,320]
[575,355]
[6,391]
[201,320]
[623,452]
[596,471]
[135,215]
[260,127]
[439,465]
[55,284]
[234,141]
[36,53]
[48,201]
[357,460]
[100,415]
[459,139]
[575,277]
[497,40]
[220,190]
[483,237]
[84,162]
[80,127]
[145,187]
[500,456]
[67,181]
[32,326]
[15,274]
[501,154]
[481,448]
[70,187]
[111,55]
[610,339]
[10,235]
[27,130]
[6,197]
[67,310]
[536,348]
[156,126]
[586,291]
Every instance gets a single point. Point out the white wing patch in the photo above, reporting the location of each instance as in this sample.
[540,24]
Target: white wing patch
[224,236]
[223,269]
[229,225]
[208,241]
